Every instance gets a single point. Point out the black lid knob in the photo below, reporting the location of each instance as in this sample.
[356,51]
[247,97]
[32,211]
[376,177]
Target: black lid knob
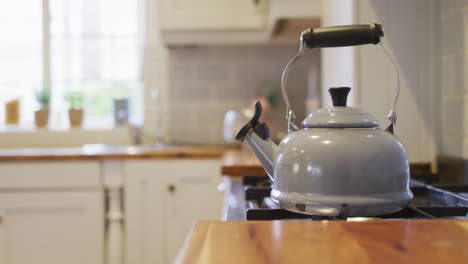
[339,95]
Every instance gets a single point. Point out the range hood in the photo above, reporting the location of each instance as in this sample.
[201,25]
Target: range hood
[287,19]
[289,29]
[271,21]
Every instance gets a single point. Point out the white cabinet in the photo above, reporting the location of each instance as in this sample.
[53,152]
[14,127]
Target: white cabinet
[163,199]
[206,22]
[188,199]
[51,212]
[49,175]
[55,211]
[51,227]
[183,22]
[212,14]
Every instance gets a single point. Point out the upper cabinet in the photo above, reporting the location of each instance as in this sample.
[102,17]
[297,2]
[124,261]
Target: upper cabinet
[185,22]
[186,15]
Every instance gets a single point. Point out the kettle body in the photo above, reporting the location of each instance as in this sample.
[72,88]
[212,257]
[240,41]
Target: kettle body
[341,171]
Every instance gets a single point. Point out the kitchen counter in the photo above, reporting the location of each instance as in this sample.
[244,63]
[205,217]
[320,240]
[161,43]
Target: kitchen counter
[100,151]
[398,241]
[241,162]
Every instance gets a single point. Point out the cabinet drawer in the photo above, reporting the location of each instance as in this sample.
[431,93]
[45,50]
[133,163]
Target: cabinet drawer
[175,168]
[52,227]
[50,174]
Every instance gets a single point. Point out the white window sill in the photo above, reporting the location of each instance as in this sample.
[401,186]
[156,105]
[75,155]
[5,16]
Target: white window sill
[42,138]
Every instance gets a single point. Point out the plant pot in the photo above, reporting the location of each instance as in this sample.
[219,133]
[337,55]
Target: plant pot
[12,112]
[41,117]
[76,117]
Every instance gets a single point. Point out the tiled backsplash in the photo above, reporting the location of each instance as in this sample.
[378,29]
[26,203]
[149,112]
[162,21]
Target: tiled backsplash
[454,78]
[205,82]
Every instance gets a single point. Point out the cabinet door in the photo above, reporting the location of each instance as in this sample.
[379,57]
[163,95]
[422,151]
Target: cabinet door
[51,227]
[189,199]
[143,213]
[212,14]
[162,201]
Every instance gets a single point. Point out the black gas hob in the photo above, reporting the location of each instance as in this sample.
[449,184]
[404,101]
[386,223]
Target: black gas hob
[253,202]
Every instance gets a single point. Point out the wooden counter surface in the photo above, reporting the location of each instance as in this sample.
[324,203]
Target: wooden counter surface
[395,241]
[99,152]
[241,162]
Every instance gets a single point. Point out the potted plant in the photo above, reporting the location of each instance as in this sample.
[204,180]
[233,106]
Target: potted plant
[41,116]
[75,112]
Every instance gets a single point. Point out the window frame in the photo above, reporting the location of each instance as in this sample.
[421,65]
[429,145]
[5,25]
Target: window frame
[46,58]
[47,39]
[117,135]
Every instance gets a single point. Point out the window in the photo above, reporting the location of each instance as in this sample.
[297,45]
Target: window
[91,46]
[20,53]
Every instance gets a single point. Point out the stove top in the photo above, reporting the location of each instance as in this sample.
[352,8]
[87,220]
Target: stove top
[430,201]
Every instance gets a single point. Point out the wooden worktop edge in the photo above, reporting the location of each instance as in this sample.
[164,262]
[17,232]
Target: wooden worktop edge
[76,154]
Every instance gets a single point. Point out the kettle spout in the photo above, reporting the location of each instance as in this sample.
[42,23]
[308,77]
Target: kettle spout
[257,135]
[264,149]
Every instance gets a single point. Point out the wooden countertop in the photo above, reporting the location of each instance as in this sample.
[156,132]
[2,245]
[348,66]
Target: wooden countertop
[393,241]
[99,152]
[241,162]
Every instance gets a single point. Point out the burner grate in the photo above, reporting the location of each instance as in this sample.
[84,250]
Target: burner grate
[444,201]
[410,212]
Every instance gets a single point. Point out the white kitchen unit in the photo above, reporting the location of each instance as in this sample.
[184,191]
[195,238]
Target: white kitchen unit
[212,14]
[163,198]
[185,22]
[51,212]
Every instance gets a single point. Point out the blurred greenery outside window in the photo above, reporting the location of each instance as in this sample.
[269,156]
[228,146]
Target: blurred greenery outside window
[95,47]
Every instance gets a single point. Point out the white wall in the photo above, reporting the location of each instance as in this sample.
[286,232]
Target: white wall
[155,76]
[338,63]
[454,78]
[411,37]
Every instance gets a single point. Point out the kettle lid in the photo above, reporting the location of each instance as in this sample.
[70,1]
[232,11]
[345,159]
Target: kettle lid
[339,115]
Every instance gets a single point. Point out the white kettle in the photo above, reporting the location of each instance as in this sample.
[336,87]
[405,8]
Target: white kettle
[340,163]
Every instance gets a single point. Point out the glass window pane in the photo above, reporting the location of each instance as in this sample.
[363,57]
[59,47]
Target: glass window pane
[94,17]
[96,48]
[111,59]
[21,54]
[66,59]
[66,17]
[119,17]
